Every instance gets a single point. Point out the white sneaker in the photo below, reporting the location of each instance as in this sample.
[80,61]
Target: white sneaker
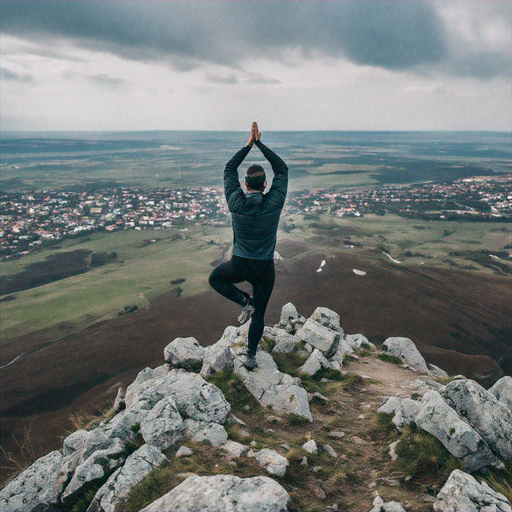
[246,313]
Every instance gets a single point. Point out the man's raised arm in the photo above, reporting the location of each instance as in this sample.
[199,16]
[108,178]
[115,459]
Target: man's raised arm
[280,180]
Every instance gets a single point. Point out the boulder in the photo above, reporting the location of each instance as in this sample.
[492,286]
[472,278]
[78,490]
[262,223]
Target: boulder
[310,446]
[112,494]
[316,361]
[136,388]
[487,415]
[212,432]
[502,390]
[319,336]
[436,371]
[273,388]
[35,487]
[289,317]
[358,341]
[284,341]
[184,353]
[462,492]
[404,410]
[272,461]
[458,436]
[184,451]
[163,426]
[406,350]
[328,318]
[223,493]
[344,349]
[234,449]
[391,506]
[217,357]
[98,466]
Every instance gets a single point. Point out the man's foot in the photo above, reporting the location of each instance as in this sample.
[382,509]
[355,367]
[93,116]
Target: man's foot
[250,362]
[246,313]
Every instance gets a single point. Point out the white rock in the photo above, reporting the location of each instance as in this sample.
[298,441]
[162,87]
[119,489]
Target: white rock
[184,451]
[212,432]
[285,342]
[142,381]
[406,349]
[114,492]
[288,313]
[438,372]
[74,442]
[184,353]
[234,448]
[34,487]
[272,461]
[458,436]
[462,492]
[344,349]
[319,336]
[404,410]
[392,450]
[357,341]
[328,318]
[330,450]
[223,493]
[491,419]
[502,390]
[310,446]
[163,426]
[316,361]
[217,357]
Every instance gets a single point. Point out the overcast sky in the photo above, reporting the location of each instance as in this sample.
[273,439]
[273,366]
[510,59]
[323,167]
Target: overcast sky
[290,65]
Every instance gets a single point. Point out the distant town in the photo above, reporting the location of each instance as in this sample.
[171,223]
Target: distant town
[30,220]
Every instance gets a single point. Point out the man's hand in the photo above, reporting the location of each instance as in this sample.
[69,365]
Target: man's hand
[255,131]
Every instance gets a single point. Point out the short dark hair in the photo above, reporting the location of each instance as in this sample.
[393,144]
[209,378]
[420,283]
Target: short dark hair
[255,177]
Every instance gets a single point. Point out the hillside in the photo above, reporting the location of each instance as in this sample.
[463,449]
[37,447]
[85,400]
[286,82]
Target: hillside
[326,422]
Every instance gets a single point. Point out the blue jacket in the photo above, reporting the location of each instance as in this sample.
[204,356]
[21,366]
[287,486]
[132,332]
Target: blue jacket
[255,215]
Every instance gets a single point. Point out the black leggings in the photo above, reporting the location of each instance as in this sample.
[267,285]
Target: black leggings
[261,275]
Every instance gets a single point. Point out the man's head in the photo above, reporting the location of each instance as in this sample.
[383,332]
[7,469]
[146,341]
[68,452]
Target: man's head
[255,178]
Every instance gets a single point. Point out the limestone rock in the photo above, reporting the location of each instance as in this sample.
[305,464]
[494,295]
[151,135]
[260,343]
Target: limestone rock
[284,341]
[136,388]
[406,349]
[438,372]
[35,487]
[358,341]
[163,426]
[328,318]
[223,493]
[459,438]
[234,449]
[212,432]
[330,450]
[184,451]
[273,388]
[217,357]
[404,410]
[184,353]
[74,441]
[95,468]
[310,446]
[289,317]
[391,506]
[113,493]
[487,415]
[315,362]
[319,336]
[272,461]
[502,390]
[462,492]
[344,349]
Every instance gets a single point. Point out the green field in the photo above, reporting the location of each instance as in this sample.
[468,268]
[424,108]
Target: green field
[144,270]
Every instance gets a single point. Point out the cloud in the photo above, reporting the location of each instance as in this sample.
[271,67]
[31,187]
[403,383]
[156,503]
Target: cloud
[219,79]
[258,78]
[396,35]
[105,80]
[8,75]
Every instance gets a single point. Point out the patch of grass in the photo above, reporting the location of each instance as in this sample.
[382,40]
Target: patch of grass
[382,427]
[234,390]
[85,500]
[352,382]
[328,373]
[391,359]
[267,343]
[87,420]
[235,433]
[290,363]
[205,461]
[499,481]
[444,380]
[422,456]
[295,420]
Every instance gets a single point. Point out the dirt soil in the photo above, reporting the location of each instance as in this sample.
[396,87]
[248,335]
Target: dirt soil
[459,321]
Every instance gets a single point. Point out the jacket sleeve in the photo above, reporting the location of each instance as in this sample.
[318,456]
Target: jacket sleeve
[277,193]
[232,188]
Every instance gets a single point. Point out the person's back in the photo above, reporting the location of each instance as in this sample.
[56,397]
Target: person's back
[255,218]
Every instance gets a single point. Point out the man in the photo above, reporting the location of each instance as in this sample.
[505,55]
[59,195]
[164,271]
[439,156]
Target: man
[255,218]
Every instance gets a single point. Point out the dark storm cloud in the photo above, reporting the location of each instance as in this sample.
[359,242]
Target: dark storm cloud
[7,74]
[398,35]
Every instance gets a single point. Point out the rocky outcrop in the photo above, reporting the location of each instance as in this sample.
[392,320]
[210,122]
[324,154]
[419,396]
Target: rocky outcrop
[485,413]
[462,492]
[318,336]
[223,493]
[502,390]
[284,342]
[404,410]
[328,318]
[315,362]
[406,350]
[184,353]
[112,494]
